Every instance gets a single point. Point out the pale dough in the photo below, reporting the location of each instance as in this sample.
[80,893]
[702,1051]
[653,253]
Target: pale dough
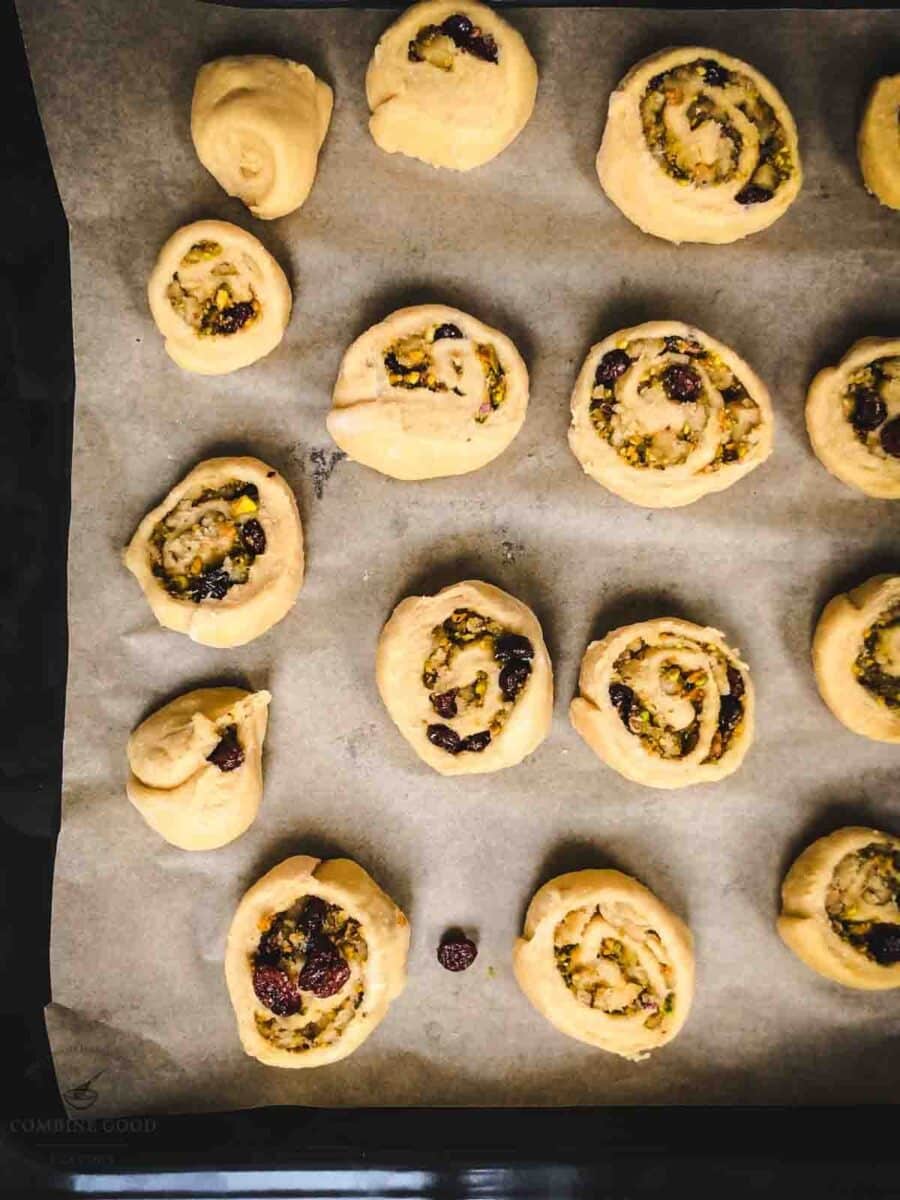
[450,671]
[879,142]
[853,417]
[856,658]
[449,99]
[429,391]
[221,558]
[839,911]
[196,766]
[372,937]
[218,297]
[606,962]
[631,432]
[258,123]
[699,147]
[665,703]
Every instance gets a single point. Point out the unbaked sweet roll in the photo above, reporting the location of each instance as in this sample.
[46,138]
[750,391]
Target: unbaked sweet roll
[218,297]
[221,558]
[856,658]
[853,417]
[451,84]
[839,908]
[258,123]
[665,703]
[663,414]
[196,766]
[466,677]
[427,392]
[699,147]
[606,962]
[879,142]
[316,952]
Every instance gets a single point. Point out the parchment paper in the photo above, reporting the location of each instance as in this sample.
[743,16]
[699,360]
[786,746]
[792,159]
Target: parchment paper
[529,244]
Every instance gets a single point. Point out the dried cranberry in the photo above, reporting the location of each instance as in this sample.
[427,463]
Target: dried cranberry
[444,703]
[482,46]
[315,910]
[714,73]
[682,383]
[233,318]
[611,367]
[444,738]
[210,585]
[512,645]
[459,28]
[890,438]
[271,948]
[253,536]
[753,194]
[621,697]
[446,331]
[735,682]
[513,678]
[730,712]
[326,970]
[228,754]
[276,990]
[456,952]
[476,742]
[883,943]
[869,410]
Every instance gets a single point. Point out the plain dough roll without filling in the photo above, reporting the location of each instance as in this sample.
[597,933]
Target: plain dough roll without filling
[428,392]
[879,142]
[663,414]
[258,123]
[221,558]
[218,297]
[839,908]
[315,955]
[665,703]
[450,84]
[606,962]
[196,766]
[699,147]
[853,417]
[466,677]
[856,658]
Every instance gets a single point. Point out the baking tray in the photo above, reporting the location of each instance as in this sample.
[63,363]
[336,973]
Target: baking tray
[285,1151]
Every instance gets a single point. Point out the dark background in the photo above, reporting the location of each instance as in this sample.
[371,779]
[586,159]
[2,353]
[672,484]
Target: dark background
[615,1153]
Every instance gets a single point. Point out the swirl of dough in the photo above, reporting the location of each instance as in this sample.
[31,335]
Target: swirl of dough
[218,297]
[606,962]
[428,392]
[221,558]
[665,703]
[853,417]
[878,143]
[840,908]
[316,952]
[258,123]
[699,147]
[196,766]
[663,414]
[466,677]
[856,658]
[450,84]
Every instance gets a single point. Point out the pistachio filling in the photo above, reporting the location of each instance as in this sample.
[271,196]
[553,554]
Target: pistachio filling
[661,702]
[436,359]
[439,45]
[871,403]
[308,973]
[611,962]
[479,705]
[675,397]
[689,118]
[208,542]
[877,666]
[208,297]
[863,902]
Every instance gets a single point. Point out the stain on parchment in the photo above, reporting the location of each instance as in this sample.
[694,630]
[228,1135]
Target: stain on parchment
[323,463]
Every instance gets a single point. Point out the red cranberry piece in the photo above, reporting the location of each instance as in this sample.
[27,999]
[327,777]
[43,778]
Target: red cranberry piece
[512,645]
[444,738]
[622,699]
[458,28]
[883,943]
[446,331]
[456,952]
[714,73]
[611,367]
[253,536]
[513,678]
[444,703]
[730,712]
[326,970]
[482,46]
[228,754]
[476,742]
[275,989]
[753,194]
[211,585]
[890,438]
[682,383]
[735,682]
[315,910]
[869,410]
